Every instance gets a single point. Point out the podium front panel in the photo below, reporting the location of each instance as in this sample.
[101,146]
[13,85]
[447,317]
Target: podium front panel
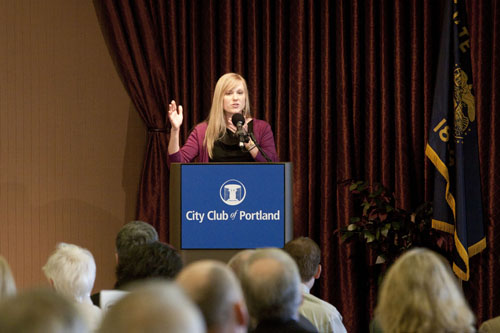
[220,206]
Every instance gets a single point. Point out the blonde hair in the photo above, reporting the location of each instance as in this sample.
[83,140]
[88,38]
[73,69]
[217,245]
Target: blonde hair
[420,294]
[7,283]
[216,123]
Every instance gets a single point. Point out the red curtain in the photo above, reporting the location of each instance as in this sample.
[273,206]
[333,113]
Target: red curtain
[136,38]
[484,18]
[347,87]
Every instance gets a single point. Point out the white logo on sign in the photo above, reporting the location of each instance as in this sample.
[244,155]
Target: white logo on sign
[232,192]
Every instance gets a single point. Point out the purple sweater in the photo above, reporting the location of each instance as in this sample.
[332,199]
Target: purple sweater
[194,145]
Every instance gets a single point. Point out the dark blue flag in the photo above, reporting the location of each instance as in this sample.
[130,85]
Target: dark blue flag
[453,146]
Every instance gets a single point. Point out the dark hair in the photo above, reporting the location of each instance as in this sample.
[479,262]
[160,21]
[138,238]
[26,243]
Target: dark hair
[134,233]
[154,260]
[306,254]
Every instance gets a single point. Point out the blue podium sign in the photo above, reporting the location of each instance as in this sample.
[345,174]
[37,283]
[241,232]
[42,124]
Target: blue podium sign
[232,206]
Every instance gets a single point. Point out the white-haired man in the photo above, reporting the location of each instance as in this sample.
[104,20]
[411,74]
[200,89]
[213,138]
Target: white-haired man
[71,271]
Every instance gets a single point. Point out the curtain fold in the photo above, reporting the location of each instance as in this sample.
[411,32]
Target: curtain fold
[484,28]
[136,40]
[347,87]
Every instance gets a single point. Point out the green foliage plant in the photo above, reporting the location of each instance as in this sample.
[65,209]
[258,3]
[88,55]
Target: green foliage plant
[385,228]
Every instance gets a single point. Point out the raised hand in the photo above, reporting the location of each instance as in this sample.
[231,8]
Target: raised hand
[175,115]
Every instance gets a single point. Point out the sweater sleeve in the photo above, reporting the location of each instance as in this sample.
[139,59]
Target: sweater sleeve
[189,151]
[266,142]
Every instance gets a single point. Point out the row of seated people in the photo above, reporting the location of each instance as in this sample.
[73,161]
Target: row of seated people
[263,290]
[213,286]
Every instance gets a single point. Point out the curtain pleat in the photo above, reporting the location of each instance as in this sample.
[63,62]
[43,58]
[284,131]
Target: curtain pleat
[135,39]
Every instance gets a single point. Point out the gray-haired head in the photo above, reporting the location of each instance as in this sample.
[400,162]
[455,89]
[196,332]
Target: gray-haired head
[217,292]
[237,261]
[71,270]
[134,233]
[155,306]
[271,284]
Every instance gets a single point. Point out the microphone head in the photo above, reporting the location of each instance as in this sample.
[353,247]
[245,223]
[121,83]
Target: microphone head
[238,118]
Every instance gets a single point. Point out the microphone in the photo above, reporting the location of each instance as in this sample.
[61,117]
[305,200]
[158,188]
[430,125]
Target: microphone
[238,120]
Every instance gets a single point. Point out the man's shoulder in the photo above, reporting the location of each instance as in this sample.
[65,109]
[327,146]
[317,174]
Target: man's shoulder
[322,314]
[492,325]
[316,302]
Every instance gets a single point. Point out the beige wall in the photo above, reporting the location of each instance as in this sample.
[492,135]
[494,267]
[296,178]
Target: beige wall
[71,146]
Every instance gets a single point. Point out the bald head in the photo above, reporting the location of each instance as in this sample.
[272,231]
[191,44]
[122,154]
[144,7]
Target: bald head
[156,306]
[197,275]
[217,292]
[237,261]
[271,284]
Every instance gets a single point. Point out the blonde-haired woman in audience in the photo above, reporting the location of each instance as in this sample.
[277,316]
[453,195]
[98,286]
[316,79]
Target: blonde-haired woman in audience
[7,283]
[420,294]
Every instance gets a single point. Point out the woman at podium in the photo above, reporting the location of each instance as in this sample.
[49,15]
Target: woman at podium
[229,134]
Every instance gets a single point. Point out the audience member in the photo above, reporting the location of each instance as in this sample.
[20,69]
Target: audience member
[7,283]
[271,285]
[153,260]
[217,292]
[71,271]
[490,326]
[40,311]
[420,294]
[237,261]
[130,235]
[307,256]
[155,306]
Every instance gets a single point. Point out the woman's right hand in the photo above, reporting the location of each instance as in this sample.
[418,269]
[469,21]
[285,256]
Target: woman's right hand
[175,115]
